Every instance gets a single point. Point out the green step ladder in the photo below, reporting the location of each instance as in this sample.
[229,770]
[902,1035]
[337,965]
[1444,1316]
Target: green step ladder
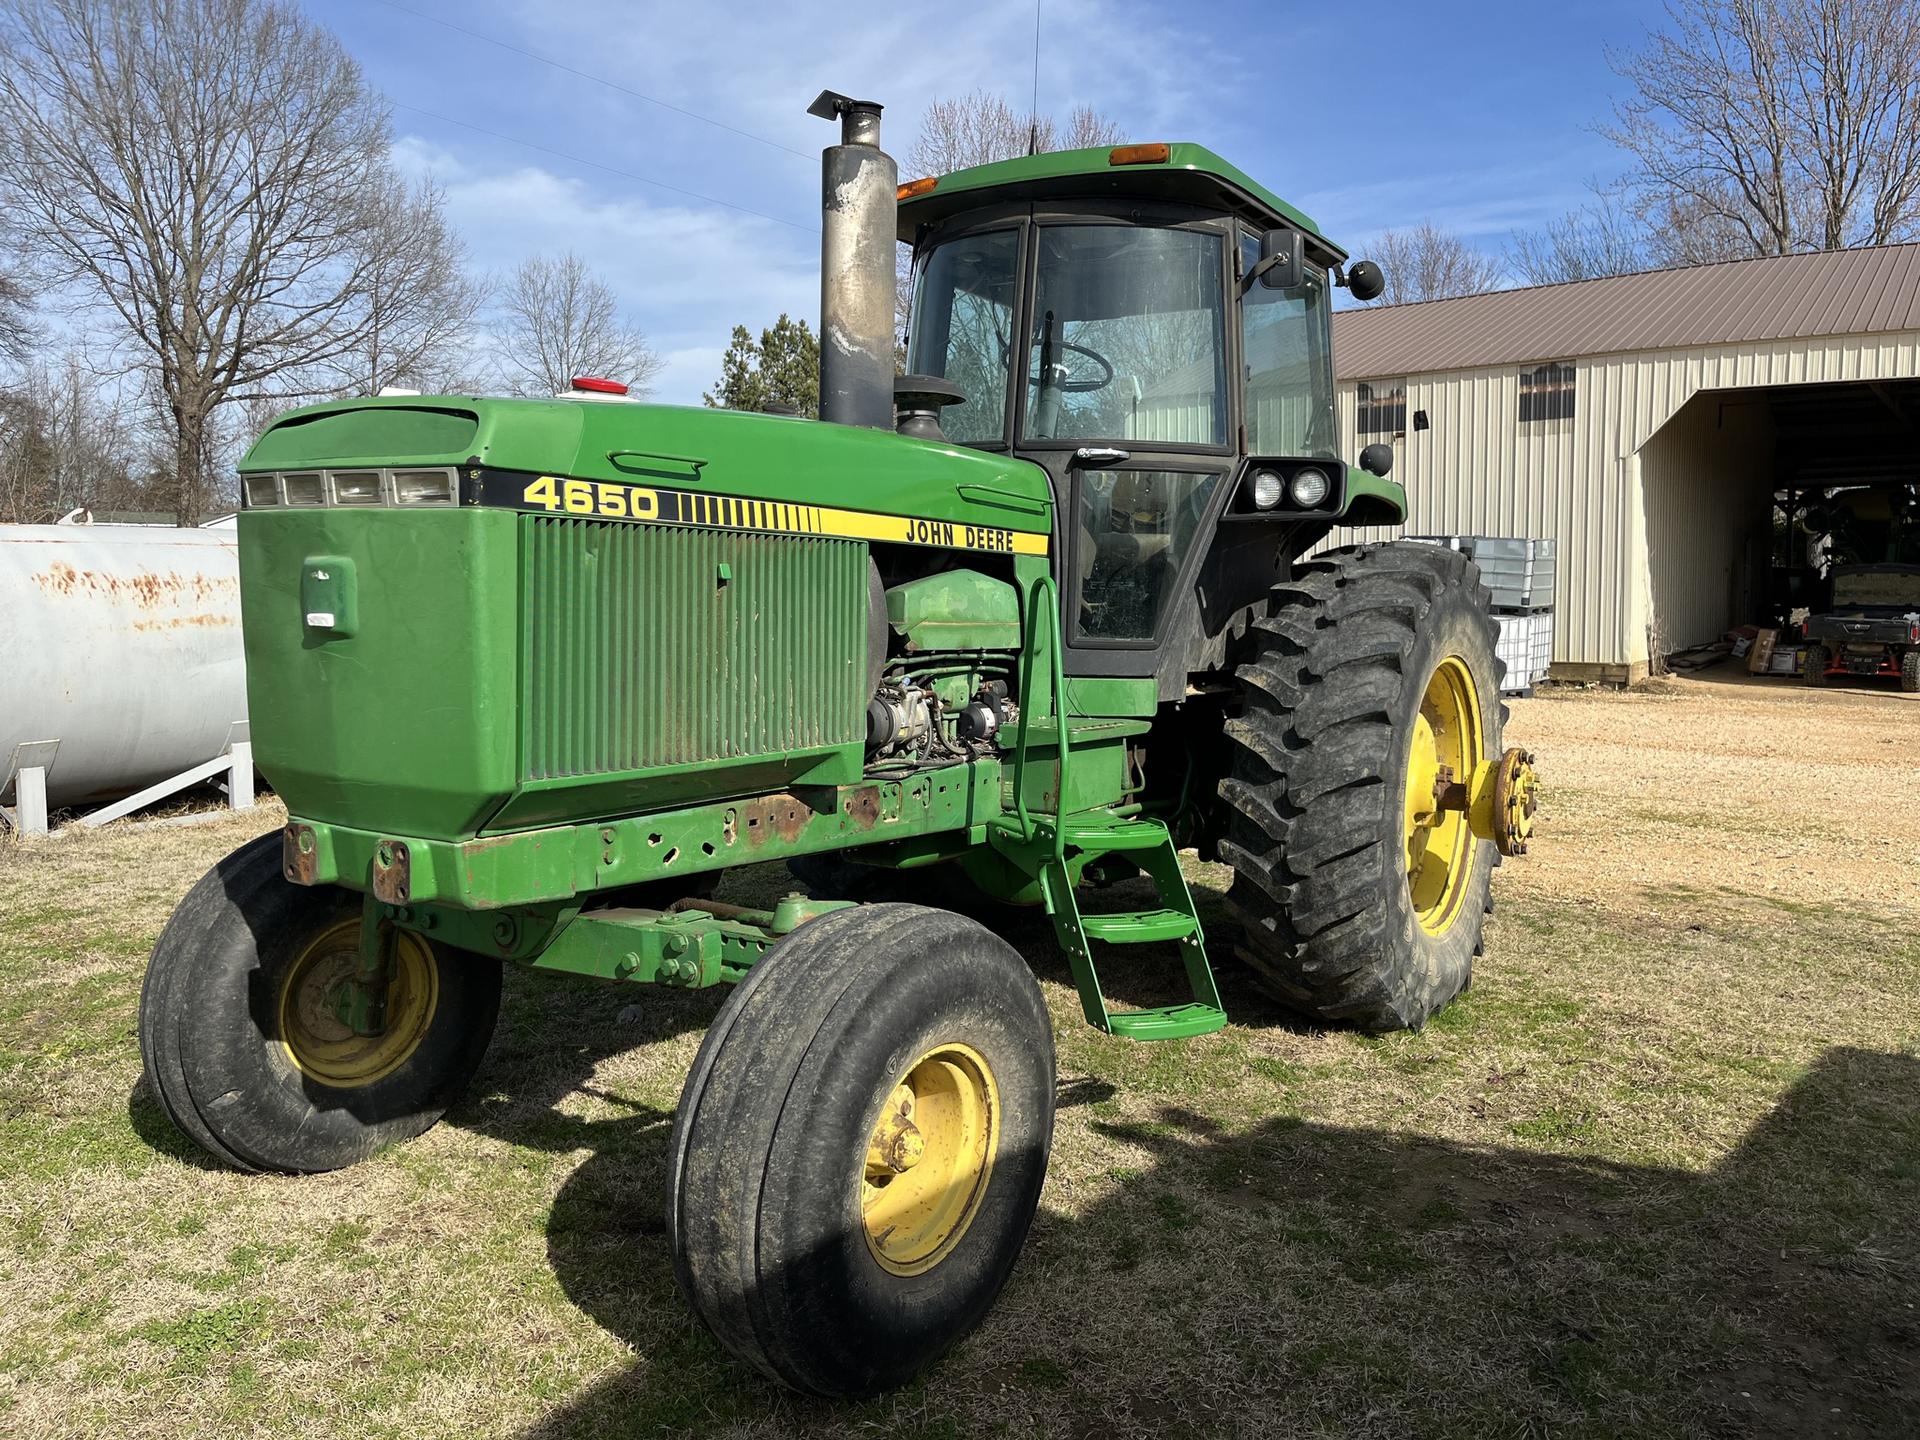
[1050,846]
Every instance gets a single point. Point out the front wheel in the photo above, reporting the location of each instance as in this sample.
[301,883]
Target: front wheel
[860,1147]
[1369,706]
[241,1043]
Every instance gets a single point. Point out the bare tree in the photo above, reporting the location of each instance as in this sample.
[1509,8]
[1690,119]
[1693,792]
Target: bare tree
[419,299]
[65,443]
[563,321]
[1428,263]
[1776,125]
[1604,238]
[199,168]
[16,329]
[979,128]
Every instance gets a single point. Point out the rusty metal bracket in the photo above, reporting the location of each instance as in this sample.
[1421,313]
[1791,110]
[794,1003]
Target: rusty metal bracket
[392,872]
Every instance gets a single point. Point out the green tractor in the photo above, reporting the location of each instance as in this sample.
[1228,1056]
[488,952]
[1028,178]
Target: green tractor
[530,674]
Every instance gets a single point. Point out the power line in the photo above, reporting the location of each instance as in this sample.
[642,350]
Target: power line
[597,80]
[610,169]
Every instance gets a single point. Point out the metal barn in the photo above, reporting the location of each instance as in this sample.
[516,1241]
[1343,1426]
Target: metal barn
[1657,426]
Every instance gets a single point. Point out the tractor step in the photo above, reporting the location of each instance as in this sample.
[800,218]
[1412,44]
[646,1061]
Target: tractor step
[1138,927]
[1167,1022]
[1101,833]
[1053,850]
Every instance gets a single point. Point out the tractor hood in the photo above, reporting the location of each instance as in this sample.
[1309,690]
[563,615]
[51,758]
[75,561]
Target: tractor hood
[733,454]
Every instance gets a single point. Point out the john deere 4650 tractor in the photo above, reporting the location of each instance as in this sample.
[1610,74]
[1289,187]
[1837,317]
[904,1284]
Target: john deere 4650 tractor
[530,674]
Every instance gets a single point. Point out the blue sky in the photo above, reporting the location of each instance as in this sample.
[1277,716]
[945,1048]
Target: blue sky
[1366,116]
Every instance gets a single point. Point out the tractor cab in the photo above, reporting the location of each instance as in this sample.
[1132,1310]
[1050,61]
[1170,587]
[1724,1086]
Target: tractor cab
[1152,327]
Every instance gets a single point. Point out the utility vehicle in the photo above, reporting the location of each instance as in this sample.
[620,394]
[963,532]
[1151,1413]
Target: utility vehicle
[530,674]
[1873,627]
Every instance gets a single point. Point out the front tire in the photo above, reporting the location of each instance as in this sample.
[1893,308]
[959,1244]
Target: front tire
[243,1053]
[1362,902]
[860,1147]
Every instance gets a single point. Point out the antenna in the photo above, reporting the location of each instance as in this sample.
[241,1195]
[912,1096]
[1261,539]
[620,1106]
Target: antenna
[1033,115]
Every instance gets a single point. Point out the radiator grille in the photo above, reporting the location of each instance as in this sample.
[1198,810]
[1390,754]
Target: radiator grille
[652,646]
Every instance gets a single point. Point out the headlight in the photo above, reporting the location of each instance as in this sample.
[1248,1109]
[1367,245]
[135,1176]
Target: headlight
[425,487]
[1266,489]
[356,487]
[1309,488]
[437,486]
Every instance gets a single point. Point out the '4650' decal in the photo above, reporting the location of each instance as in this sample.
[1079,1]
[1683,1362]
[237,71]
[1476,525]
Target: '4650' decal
[611,500]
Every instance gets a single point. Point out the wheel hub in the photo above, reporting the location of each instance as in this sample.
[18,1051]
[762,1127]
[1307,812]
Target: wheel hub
[1445,743]
[928,1159]
[319,1043]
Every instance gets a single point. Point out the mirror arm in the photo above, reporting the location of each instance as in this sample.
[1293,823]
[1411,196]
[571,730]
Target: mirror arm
[1259,269]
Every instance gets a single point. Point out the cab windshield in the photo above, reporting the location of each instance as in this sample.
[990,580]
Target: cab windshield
[1128,338]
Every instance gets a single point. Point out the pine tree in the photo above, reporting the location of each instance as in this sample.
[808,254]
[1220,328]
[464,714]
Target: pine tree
[779,371]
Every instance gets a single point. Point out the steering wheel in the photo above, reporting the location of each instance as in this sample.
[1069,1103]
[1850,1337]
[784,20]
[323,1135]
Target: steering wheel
[1071,385]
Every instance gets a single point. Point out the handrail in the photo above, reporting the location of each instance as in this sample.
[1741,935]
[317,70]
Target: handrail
[1043,623]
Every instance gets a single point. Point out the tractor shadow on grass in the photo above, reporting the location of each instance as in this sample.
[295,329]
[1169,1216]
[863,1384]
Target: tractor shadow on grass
[1303,1278]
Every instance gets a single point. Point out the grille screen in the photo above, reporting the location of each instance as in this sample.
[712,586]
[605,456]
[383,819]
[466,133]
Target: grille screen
[654,646]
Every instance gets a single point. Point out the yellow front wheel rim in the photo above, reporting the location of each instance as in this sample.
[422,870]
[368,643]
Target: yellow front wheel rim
[1443,749]
[928,1159]
[319,1044]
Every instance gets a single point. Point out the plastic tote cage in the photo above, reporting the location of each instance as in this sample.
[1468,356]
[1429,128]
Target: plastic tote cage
[1526,644]
[1519,572]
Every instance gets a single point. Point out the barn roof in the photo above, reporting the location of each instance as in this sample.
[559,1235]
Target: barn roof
[1870,290]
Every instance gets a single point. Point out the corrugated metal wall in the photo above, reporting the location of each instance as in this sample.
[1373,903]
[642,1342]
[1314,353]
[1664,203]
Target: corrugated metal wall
[1580,482]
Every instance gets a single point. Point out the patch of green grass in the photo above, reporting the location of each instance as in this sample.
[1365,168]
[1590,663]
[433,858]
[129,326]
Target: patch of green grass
[202,1338]
[1553,1125]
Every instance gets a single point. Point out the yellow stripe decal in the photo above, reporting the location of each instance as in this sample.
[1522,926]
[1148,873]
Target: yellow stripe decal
[612,500]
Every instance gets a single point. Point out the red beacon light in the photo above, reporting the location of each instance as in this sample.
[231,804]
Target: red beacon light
[595,385]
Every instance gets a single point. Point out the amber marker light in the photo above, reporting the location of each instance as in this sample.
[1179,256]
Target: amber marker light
[1137,155]
[915,187]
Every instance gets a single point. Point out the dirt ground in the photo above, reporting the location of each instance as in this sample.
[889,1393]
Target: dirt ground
[1657,1173]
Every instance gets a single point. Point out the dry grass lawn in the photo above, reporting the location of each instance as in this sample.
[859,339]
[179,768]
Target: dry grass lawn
[1658,1173]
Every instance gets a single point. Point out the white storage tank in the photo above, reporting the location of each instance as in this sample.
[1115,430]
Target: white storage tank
[122,642]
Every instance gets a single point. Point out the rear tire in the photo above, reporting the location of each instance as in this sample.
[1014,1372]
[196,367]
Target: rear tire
[1813,670]
[1910,672]
[774,1215]
[1324,857]
[228,1008]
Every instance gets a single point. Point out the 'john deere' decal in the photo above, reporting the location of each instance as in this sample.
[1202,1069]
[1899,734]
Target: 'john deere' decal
[612,500]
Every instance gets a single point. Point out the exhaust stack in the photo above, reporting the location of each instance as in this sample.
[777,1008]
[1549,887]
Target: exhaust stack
[857,220]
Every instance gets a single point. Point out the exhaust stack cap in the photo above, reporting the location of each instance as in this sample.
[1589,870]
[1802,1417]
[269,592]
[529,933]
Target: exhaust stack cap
[859,119]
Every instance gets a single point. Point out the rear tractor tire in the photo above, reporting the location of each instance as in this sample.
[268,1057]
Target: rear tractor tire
[860,1147]
[1374,680]
[243,1051]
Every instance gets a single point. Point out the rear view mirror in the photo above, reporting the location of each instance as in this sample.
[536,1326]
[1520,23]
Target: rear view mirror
[1282,257]
[1377,459]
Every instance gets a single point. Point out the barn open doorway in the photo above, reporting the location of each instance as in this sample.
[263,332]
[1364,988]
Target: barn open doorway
[1751,495]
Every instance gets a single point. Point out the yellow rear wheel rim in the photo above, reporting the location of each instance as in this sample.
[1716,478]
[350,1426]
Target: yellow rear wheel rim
[319,1044]
[929,1158]
[1444,746]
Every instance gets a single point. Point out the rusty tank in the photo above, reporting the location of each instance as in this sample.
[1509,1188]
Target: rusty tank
[122,642]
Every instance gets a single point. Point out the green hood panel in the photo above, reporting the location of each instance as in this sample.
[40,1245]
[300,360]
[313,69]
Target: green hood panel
[723,452]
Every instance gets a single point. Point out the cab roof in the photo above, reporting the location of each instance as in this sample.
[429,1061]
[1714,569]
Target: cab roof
[1189,173]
